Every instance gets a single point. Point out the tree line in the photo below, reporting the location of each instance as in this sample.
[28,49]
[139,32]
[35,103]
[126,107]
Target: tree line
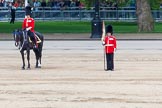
[145,21]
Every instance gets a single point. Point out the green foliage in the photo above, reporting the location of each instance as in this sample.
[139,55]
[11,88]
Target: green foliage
[155,4]
[88,3]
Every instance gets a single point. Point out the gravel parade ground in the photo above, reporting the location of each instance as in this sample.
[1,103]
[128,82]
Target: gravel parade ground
[73,76]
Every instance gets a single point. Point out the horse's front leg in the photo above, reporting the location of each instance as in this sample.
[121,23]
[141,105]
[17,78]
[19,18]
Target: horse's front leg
[23,60]
[28,58]
[40,59]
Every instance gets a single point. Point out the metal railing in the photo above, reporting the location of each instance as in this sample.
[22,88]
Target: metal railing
[82,14]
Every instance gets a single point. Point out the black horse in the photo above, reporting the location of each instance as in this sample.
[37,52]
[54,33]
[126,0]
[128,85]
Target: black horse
[24,43]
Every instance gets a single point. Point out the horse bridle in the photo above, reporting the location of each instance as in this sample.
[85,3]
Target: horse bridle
[16,38]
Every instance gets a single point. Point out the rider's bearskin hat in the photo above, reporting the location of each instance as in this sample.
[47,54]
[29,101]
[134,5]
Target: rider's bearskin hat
[28,10]
[109,29]
[28,13]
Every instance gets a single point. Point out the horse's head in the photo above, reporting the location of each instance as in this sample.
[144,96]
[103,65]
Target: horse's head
[17,36]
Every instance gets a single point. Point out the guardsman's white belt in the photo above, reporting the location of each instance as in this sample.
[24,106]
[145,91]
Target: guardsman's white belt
[109,45]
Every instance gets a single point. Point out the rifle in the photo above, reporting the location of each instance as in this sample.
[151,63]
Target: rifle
[103,40]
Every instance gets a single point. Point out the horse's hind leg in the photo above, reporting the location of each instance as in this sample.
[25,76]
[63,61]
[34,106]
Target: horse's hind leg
[28,58]
[23,60]
[37,57]
[40,62]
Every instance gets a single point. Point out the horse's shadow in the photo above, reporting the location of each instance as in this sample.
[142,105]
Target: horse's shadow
[24,43]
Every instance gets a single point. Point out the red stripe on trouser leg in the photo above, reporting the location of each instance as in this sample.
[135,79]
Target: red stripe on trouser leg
[36,41]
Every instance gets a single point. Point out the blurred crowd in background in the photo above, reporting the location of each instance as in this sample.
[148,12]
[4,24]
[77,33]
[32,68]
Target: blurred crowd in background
[56,4]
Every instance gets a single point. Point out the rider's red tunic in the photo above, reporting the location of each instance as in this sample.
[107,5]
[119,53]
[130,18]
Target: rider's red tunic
[28,22]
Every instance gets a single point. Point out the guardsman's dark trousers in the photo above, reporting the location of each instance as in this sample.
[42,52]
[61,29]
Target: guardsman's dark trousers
[110,61]
[32,37]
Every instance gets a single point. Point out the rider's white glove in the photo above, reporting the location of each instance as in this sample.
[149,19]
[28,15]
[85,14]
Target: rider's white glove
[27,29]
[103,43]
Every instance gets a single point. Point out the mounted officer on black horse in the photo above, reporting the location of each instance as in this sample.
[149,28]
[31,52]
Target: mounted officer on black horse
[28,39]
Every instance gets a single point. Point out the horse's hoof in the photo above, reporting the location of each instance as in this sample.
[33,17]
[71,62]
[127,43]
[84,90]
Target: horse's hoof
[37,66]
[23,68]
[28,68]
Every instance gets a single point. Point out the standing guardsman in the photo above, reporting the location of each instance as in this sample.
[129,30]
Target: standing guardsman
[12,9]
[109,42]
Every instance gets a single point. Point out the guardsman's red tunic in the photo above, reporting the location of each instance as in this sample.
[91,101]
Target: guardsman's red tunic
[110,44]
[28,22]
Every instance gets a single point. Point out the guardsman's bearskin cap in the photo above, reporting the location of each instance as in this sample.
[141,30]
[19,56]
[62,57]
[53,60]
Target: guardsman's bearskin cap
[28,13]
[28,10]
[109,29]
